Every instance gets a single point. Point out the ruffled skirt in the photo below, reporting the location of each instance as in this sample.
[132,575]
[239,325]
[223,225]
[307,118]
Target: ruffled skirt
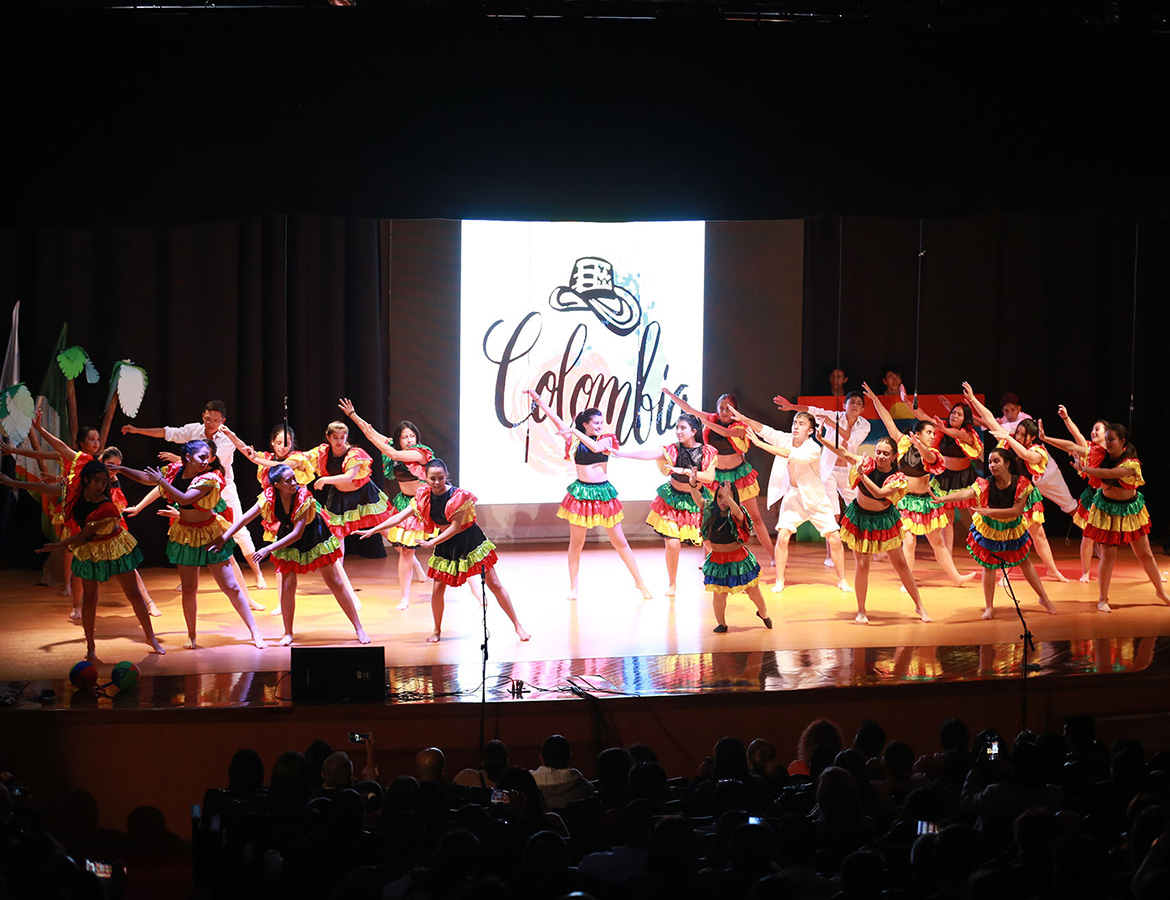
[674,514]
[730,572]
[410,530]
[1117,521]
[871,532]
[350,511]
[1080,515]
[1034,511]
[316,548]
[921,514]
[998,543]
[187,544]
[588,505]
[467,553]
[744,477]
[953,480]
[102,560]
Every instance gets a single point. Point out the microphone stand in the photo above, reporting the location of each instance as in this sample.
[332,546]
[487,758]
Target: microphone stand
[1026,638]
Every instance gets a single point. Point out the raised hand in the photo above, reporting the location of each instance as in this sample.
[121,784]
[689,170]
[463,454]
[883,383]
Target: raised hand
[1062,411]
[783,403]
[868,391]
[345,405]
[168,457]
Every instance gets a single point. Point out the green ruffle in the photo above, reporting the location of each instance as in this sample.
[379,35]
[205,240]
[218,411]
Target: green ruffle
[919,503]
[579,490]
[741,471]
[676,499]
[1119,508]
[300,558]
[105,569]
[184,555]
[401,501]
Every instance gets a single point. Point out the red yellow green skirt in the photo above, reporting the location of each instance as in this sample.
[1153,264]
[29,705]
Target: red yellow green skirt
[350,511]
[316,548]
[467,553]
[589,505]
[951,481]
[674,514]
[1117,522]
[1034,511]
[871,532]
[102,560]
[744,477]
[410,531]
[921,514]
[730,572]
[187,544]
[998,543]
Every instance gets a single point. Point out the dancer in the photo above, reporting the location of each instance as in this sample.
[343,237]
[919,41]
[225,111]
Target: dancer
[351,500]
[207,429]
[301,543]
[958,443]
[103,549]
[1050,481]
[805,499]
[1026,445]
[283,443]
[195,483]
[1093,453]
[461,549]
[731,443]
[404,459]
[730,567]
[872,524]
[998,538]
[844,429]
[590,500]
[675,513]
[921,514]
[66,491]
[1118,513]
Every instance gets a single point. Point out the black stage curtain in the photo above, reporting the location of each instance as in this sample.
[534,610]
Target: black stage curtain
[203,308]
[1042,306]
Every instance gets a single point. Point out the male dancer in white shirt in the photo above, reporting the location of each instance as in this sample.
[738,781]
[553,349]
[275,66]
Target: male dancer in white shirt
[214,415]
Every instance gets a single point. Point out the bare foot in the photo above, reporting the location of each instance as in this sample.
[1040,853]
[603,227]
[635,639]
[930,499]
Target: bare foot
[572,595]
[988,613]
[276,611]
[923,614]
[256,605]
[67,592]
[963,579]
[1059,576]
[258,642]
[434,638]
[75,615]
[902,590]
[404,603]
[189,644]
[1162,596]
[646,595]
[157,647]
[829,564]
[843,585]
[522,634]
[777,586]
[881,557]
[153,609]
[261,584]
[1048,607]
[285,641]
[861,619]
[1084,579]
[670,591]
[362,637]
[1103,606]
[91,654]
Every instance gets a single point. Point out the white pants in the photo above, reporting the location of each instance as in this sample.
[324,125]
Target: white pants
[837,488]
[243,538]
[793,512]
[1053,487]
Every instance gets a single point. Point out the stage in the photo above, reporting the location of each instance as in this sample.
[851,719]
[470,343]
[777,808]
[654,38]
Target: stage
[608,669]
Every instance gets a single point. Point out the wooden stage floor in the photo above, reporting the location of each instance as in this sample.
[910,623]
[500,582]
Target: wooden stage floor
[610,640]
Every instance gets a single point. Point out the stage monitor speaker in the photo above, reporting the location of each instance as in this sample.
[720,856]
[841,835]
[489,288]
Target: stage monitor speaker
[339,674]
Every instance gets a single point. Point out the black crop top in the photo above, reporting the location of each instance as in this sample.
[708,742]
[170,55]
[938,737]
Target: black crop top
[911,463]
[1002,498]
[688,458]
[82,509]
[182,485]
[583,456]
[439,506]
[721,443]
[283,516]
[878,477]
[949,447]
[335,465]
[722,528]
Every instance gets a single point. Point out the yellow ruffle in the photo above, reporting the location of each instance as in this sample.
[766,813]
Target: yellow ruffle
[592,521]
[106,550]
[1121,524]
[197,535]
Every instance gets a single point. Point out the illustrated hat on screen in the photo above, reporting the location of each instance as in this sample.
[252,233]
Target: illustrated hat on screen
[591,287]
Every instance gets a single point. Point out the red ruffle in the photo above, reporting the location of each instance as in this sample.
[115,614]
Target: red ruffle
[483,565]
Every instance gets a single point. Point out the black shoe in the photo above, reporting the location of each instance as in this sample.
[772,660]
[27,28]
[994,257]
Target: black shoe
[720,629]
[767,620]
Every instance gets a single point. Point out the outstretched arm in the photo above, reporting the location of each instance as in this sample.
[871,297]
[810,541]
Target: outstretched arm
[847,455]
[983,412]
[151,496]
[764,445]
[1071,426]
[139,475]
[558,423]
[1070,447]
[388,524]
[63,449]
[247,449]
[372,434]
[883,413]
[159,432]
[651,453]
[460,523]
[240,523]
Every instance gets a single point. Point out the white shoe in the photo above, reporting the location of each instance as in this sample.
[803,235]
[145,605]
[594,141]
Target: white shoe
[777,587]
